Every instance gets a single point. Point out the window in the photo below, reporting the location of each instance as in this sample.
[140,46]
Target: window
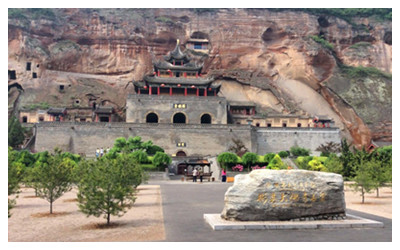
[28,66]
[34,75]
[257,124]
[284,125]
[41,118]
[24,119]
[61,87]
[205,119]
[179,118]
[299,125]
[269,125]
[152,118]
[12,75]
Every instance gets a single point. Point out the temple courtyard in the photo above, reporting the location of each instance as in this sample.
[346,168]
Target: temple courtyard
[172,211]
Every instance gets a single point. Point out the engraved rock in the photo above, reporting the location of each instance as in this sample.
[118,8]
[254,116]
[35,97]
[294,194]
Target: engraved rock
[265,195]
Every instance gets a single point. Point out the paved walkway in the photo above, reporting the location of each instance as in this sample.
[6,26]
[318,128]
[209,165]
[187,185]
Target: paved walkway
[185,203]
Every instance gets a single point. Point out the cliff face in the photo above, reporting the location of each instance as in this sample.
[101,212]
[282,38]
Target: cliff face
[270,58]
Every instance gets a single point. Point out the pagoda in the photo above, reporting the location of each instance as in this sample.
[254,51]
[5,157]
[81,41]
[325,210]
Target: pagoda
[177,75]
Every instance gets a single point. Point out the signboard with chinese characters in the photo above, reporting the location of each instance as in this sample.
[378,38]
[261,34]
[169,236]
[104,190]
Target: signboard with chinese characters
[179,105]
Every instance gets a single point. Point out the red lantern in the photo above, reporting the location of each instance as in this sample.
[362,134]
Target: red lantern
[209,89]
[193,86]
[162,84]
[145,87]
[178,85]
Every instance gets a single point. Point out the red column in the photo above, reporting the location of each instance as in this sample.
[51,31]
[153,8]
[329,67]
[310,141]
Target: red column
[185,74]
[215,92]
[138,91]
[205,92]
[149,90]
[170,90]
[158,90]
[185,91]
[158,72]
[197,74]
[197,92]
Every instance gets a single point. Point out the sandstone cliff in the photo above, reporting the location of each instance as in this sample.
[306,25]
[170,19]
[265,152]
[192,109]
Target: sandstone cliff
[273,58]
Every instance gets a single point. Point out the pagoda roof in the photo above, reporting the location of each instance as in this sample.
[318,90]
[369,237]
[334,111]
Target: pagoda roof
[177,54]
[191,66]
[178,80]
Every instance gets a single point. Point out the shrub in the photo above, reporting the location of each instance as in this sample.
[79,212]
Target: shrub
[226,158]
[323,42]
[283,154]
[268,157]
[298,151]
[161,160]
[238,167]
[276,163]
[249,159]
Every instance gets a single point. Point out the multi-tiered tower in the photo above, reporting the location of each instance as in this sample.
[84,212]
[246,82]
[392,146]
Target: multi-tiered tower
[176,92]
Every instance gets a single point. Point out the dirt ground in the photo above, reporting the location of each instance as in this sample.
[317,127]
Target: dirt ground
[30,220]
[380,206]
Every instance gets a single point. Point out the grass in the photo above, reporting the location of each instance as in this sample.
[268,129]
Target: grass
[323,42]
[360,45]
[362,72]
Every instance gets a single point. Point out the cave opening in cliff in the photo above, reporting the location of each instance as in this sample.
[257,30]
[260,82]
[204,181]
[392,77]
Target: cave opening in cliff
[12,75]
[24,119]
[28,66]
[388,37]
[323,22]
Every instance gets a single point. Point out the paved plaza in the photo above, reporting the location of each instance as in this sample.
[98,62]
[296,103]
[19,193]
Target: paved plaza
[185,203]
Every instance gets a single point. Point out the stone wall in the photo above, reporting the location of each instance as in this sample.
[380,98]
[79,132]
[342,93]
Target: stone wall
[281,139]
[139,106]
[200,139]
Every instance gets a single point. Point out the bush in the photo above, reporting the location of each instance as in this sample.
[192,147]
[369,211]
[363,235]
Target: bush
[323,42]
[226,158]
[283,154]
[268,157]
[298,151]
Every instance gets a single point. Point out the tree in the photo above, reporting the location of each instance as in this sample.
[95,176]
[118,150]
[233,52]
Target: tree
[161,160]
[238,147]
[107,186]
[249,159]
[329,147]
[363,178]
[346,158]
[15,133]
[54,178]
[283,154]
[227,158]
[15,175]
[333,164]
[381,173]
[140,156]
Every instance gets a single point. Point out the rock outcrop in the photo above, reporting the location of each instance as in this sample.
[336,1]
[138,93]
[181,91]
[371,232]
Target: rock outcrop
[266,195]
[271,53]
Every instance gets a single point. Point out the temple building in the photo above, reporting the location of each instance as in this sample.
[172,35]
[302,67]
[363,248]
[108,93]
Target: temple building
[176,92]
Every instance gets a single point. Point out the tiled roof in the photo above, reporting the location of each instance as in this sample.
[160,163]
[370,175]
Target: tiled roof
[56,110]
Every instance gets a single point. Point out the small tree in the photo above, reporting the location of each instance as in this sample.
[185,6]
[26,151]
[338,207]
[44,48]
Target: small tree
[54,178]
[268,157]
[333,164]
[363,179]
[15,133]
[227,158]
[107,187]
[161,160]
[329,147]
[15,175]
[316,165]
[140,156]
[238,147]
[346,158]
[249,159]
[283,154]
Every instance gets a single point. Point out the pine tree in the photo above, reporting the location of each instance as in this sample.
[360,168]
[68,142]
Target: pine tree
[364,181]
[15,133]
[107,186]
[54,178]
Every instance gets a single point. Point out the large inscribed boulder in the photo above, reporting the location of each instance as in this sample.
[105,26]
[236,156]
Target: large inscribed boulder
[265,195]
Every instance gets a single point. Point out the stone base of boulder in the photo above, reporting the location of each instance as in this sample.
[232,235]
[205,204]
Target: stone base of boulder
[349,221]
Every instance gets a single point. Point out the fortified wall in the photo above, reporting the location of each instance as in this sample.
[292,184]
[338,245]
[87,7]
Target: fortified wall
[193,139]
